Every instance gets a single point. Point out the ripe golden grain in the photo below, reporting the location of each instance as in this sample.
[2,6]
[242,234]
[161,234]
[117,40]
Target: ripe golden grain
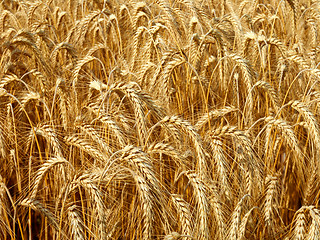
[163,119]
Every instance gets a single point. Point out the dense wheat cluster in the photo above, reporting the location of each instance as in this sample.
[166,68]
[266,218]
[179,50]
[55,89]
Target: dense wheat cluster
[159,119]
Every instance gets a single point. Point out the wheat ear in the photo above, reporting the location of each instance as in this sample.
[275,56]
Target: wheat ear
[310,119]
[85,146]
[96,195]
[43,170]
[203,205]
[271,199]
[76,223]
[185,215]
[184,126]
[213,115]
[37,206]
[288,135]
[218,207]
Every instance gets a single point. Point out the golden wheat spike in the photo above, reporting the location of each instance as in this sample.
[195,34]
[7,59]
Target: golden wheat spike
[76,223]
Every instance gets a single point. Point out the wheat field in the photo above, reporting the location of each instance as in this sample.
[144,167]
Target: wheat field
[159,119]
